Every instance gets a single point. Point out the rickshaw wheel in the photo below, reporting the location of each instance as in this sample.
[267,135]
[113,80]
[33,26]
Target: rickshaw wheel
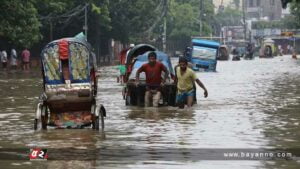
[127,100]
[124,93]
[172,96]
[139,92]
[102,113]
[96,123]
[35,124]
[93,121]
[44,119]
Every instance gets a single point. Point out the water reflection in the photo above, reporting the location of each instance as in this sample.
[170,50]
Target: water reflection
[162,113]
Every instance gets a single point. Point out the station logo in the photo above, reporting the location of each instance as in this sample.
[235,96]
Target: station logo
[38,154]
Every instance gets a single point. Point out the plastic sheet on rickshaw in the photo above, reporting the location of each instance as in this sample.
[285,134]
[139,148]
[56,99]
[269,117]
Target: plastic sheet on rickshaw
[70,119]
[78,61]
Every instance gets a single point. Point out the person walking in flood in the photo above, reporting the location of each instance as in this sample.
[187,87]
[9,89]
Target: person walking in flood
[4,59]
[13,58]
[153,70]
[26,59]
[185,78]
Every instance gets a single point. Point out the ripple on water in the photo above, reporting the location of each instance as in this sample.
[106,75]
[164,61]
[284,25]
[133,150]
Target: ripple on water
[4,115]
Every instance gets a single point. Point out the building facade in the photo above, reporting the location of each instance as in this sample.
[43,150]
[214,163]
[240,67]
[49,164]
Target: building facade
[263,9]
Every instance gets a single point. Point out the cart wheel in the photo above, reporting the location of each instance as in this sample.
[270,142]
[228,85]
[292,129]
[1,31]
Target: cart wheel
[132,98]
[35,124]
[44,118]
[172,96]
[127,100]
[138,99]
[140,94]
[102,115]
[93,121]
[93,114]
[40,118]
[44,122]
[96,123]
[124,93]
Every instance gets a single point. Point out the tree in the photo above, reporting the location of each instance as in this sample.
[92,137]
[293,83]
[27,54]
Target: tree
[131,20]
[19,22]
[25,23]
[143,20]
[184,18]
[285,2]
[295,11]
[184,23]
[229,17]
[67,16]
[237,4]
[32,21]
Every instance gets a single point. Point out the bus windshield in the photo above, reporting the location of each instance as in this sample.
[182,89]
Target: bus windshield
[204,53]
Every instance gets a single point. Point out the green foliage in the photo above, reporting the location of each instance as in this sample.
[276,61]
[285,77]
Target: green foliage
[96,9]
[19,22]
[138,21]
[266,24]
[132,19]
[26,23]
[229,17]
[237,3]
[286,2]
[286,23]
[183,19]
[295,11]
[185,22]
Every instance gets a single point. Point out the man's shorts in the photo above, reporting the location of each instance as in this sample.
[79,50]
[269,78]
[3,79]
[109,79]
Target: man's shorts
[182,97]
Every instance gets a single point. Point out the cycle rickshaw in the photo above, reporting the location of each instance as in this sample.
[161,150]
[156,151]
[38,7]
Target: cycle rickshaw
[70,86]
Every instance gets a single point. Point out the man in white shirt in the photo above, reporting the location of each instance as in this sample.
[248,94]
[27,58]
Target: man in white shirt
[4,59]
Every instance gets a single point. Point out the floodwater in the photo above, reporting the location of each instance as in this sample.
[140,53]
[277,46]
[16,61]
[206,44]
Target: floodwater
[252,105]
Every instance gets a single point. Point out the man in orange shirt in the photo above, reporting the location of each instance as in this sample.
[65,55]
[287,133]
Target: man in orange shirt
[153,70]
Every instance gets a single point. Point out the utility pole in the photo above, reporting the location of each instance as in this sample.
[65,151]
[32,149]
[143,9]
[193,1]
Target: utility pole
[165,35]
[200,17]
[164,38]
[244,19]
[85,27]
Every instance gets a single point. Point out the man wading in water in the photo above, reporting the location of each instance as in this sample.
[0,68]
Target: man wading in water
[185,78]
[153,70]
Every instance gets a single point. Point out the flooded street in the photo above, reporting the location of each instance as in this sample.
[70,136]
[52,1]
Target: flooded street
[251,104]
